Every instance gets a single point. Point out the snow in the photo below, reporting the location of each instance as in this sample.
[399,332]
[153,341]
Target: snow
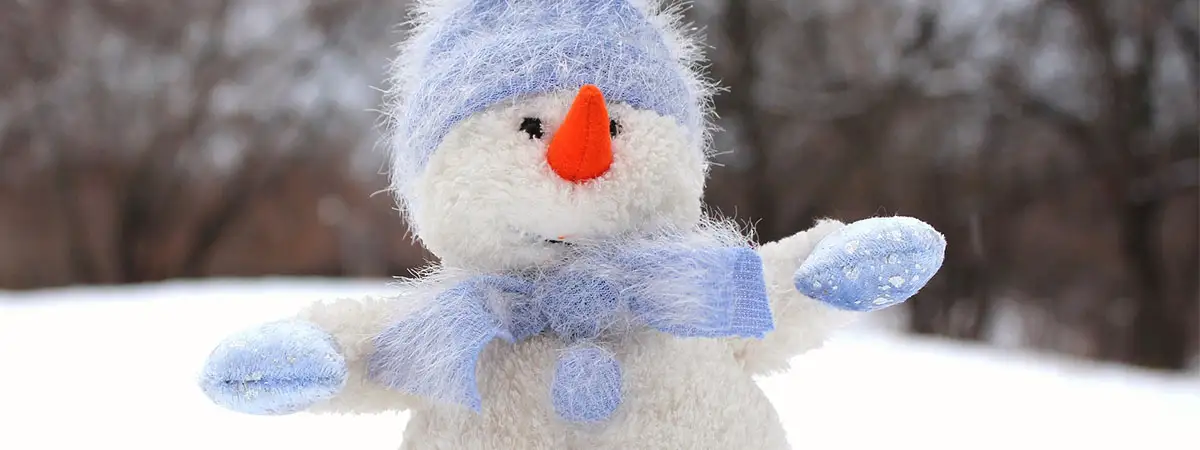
[115,368]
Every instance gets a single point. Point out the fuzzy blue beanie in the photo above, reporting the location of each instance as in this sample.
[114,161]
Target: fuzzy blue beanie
[465,56]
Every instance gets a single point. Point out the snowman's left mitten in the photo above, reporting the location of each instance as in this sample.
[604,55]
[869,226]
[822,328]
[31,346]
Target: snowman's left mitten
[872,264]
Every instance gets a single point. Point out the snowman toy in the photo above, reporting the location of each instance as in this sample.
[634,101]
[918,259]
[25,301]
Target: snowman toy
[553,155]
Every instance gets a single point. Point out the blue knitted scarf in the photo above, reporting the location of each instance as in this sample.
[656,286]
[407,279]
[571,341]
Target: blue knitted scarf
[672,284]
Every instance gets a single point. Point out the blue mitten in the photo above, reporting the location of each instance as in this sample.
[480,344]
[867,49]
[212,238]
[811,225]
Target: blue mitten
[275,369]
[872,264]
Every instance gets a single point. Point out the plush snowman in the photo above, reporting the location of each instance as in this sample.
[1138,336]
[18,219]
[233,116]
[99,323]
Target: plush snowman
[553,155]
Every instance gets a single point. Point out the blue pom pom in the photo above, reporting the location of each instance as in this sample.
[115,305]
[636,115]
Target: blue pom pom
[587,385]
[872,264]
[275,369]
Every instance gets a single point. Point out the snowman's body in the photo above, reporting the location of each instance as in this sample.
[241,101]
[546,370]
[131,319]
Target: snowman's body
[679,393]
[508,171]
[480,214]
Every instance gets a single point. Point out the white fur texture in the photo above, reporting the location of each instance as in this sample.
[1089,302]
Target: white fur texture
[679,393]
[685,394]
[408,77]
[488,203]
[801,323]
[354,323]
[490,200]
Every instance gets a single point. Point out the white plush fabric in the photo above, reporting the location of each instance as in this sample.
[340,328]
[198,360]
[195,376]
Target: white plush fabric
[464,56]
[494,213]
[484,199]
[680,394]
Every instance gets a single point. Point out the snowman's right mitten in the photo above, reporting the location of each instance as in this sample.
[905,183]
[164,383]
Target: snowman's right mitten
[274,369]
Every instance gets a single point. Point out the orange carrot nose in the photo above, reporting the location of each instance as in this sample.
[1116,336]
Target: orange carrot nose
[582,147]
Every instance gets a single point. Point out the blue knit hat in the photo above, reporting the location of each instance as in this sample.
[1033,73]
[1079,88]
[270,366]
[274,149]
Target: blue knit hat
[465,56]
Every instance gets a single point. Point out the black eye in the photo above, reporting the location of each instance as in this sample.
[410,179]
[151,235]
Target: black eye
[533,127]
[614,128]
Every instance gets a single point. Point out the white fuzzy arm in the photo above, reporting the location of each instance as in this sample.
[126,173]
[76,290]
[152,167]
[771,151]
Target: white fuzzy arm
[801,323]
[353,324]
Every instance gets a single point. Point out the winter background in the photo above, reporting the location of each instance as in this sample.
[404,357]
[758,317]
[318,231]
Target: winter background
[171,172]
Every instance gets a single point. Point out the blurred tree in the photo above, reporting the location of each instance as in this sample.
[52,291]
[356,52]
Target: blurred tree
[1134,162]
[1049,140]
[1053,141]
[193,139]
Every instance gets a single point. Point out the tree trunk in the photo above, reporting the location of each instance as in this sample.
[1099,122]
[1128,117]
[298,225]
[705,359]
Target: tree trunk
[741,29]
[1159,331]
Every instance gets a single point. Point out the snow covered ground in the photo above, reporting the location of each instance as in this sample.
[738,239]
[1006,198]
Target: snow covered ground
[115,368]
